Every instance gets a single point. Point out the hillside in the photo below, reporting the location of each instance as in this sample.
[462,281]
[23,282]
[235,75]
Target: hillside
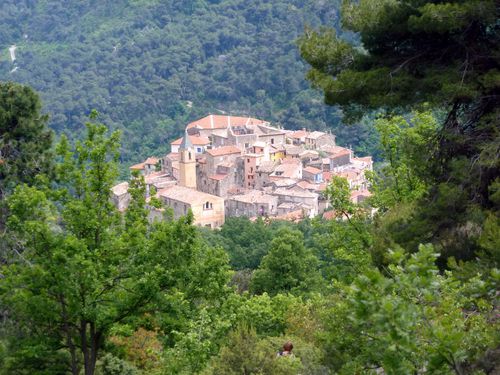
[151,66]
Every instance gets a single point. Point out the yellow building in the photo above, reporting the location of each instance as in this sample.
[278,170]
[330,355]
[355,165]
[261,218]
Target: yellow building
[276,153]
[187,163]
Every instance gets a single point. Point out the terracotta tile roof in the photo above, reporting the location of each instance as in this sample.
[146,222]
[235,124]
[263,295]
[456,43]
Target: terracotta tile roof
[151,160]
[309,186]
[287,170]
[335,151]
[349,174]
[224,150]
[282,182]
[195,140]
[312,170]
[291,161]
[222,122]
[298,134]
[137,167]
[187,195]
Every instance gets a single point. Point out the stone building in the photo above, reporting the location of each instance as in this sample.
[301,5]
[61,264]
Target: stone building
[299,196]
[313,175]
[208,210]
[339,156]
[120,196]
[253,204]
[187,164]
[316,140]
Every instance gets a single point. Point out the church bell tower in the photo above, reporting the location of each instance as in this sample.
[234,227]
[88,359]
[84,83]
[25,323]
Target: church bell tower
[187,164]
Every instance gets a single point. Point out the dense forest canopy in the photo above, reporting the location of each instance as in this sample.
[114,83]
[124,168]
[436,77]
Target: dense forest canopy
[149,67]
[409,288]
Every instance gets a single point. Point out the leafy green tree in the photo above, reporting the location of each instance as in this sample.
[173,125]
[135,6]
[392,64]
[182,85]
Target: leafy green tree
[339,195]
[405,145]
[25,144]
[288,267]
[245,241]
[82,268]
[25,140]
[415,54]
[411,320]
[245,353]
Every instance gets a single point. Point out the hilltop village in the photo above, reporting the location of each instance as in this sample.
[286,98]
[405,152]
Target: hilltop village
[241,166]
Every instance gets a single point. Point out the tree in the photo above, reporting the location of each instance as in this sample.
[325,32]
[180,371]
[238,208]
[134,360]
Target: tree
[411,320]
[288,267]
[245,353]
[25,141]
[82,268]
[404,143]
[414,54]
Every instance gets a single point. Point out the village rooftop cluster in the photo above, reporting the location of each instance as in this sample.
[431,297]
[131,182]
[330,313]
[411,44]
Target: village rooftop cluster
[228,166]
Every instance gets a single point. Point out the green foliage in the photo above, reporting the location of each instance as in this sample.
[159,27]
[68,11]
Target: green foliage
[150,67]
[78,267]
[110,365]
[410,320]
[406,145]
[245,353]
[401,62]
[414,55]
[25,142]
[288,267]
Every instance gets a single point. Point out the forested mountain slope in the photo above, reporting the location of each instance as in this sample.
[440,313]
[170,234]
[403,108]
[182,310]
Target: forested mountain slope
[149,66]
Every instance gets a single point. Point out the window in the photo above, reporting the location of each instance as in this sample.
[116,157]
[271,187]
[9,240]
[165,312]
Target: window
[272,141]
[248,160]
[207,205]
[251,169]
[189,155]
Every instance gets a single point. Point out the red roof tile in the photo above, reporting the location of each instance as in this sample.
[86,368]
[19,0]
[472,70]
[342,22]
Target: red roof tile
[195,140]
[139,167]
[298,134]
[222,122]
[312,170]
[224,150]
